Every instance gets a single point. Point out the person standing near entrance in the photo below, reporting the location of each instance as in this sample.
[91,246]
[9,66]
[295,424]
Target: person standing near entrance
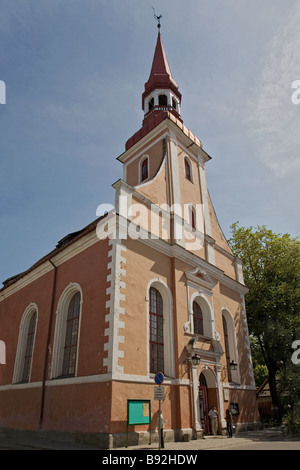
[213,414]
[228,418]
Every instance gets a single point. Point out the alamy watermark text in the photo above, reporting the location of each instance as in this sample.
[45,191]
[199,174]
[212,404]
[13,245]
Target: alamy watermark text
[296,93]
[2,92]
[2,353]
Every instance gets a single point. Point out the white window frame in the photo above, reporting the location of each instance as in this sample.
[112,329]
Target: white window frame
[186,157]
[208,323]
[168,326]
[60,329]
[144,157]
[22,343]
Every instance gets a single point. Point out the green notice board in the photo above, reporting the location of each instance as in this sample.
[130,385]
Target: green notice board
[138,412]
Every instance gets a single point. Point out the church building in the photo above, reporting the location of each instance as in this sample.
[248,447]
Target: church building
[147,301]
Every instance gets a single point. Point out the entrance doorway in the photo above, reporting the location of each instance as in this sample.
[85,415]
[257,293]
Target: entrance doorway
[207,398]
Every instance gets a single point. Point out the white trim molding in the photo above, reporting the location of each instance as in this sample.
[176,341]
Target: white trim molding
[232,340]
[116,312]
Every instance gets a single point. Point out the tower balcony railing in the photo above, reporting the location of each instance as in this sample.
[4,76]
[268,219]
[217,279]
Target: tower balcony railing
[161,107]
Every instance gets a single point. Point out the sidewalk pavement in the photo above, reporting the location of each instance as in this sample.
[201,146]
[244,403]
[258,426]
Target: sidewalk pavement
[243,439]
[50,440]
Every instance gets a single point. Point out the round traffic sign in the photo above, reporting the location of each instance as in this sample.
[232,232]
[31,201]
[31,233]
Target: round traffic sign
[159,378]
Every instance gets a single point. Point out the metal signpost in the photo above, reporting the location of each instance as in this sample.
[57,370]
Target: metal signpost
[159,394]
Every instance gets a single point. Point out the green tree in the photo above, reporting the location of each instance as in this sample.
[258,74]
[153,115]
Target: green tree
[272,273]
[259,368]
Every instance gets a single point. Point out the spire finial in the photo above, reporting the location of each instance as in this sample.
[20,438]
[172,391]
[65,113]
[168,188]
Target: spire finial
[158,18]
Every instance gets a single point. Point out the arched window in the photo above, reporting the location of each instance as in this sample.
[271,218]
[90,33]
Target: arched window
[29,348]
[227,349]
[67,328]
[150,104]
[163,100]
[70,348]
[25,347]
[174,103]
[192,217]
[201,315]
[187,169]
[156,332]
[198,319]
[160,331]
[144,169]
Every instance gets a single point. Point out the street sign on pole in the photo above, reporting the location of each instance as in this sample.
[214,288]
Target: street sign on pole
[159,378]
[159,393]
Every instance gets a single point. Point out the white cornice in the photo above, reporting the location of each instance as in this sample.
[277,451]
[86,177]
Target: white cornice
[176,251]
[182,133]
[144,149]
[143,144]
[206,281]
[76,248]
[56,260]
[119,377]
[173,251]
[84,242]
[36,273]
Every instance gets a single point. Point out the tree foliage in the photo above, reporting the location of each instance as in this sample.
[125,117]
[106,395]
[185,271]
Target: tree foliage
[271,264]
[259,368]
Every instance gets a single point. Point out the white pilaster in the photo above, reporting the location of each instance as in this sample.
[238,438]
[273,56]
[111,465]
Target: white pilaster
[206,215]
[220,395]
[196,404]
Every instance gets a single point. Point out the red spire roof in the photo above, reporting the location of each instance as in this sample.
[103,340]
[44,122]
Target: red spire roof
[160,83]
[160,67]
[160,75]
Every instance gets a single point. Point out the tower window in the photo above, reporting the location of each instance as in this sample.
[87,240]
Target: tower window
[174,103]
[192,217]
[163,100]
[150,104]
[144,170]
[187,169]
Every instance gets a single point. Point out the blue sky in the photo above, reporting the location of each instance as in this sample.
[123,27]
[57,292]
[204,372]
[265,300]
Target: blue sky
[75,71]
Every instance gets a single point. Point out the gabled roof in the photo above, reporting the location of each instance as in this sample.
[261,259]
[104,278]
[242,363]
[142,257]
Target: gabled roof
[61,245]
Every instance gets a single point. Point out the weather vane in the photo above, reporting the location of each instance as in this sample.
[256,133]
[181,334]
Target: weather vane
[158,18]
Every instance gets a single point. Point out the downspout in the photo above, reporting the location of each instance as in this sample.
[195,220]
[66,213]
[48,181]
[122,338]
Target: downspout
[48,345]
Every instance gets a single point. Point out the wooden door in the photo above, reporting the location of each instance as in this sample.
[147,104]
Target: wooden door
[203,399]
